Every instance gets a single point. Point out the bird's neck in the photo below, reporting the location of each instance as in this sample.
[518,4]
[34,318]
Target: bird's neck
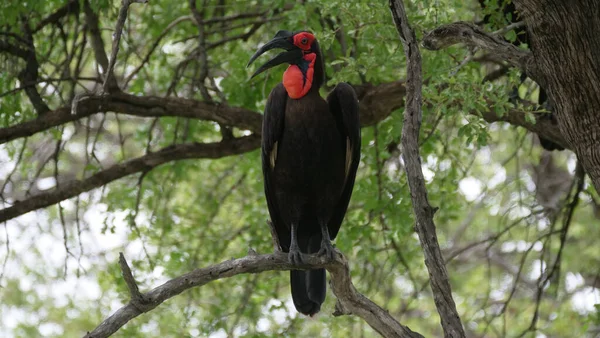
[299,79]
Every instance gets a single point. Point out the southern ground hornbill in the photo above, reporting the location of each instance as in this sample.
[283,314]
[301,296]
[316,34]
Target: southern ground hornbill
[310,153]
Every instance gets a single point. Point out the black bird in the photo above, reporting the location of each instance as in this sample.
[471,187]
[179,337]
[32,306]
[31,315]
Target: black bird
[310,153]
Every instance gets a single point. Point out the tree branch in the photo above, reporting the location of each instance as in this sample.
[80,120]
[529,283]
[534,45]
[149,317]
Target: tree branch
[30,73]
[425,227]
[97,42]
[72,6]
[348,298]
[110,85]
[472,36]
[143,106]
[376,104]
[140,164]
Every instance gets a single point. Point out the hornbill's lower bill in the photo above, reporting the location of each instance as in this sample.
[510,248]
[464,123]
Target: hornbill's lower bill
[310,153]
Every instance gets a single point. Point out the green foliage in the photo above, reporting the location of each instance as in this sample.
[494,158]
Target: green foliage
[193,213]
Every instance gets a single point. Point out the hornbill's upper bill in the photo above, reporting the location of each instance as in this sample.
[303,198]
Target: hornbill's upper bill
[282,40]
[310,154]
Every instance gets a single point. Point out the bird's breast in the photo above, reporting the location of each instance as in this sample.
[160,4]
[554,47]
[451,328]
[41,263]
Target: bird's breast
[311,150]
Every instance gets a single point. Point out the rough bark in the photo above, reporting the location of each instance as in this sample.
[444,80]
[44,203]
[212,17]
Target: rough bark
[565,42]
[349,301]
[425,226]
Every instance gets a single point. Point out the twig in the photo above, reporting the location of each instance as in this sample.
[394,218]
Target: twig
[349,300]
[554,272]
[509,28]
[107,86]
[425,226]
[154,45]
[134,291]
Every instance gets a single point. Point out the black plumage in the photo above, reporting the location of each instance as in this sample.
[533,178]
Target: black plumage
[310,154]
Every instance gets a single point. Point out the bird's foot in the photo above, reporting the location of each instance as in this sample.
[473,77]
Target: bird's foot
[327,250]
[295,256]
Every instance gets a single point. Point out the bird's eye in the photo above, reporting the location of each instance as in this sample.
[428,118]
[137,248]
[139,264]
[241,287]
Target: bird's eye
[304,41]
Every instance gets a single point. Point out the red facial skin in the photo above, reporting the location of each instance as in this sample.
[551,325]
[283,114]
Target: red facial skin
[293,78]
[304,40]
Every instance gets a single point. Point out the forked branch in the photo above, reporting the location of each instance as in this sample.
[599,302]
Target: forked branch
[349,300]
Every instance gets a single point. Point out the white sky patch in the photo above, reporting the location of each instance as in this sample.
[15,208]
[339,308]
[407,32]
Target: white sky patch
[521,246]
[50,329]
[68,132]
[218,82]
[529,183]
[583,301]
[172,48]
[470,187]
[6,165]
[404,284]
[536,269]
[149,327]
[239,331]
[485,155]
[432,161]
[571,164]
[498,178]
[46,183]
[263,325]
[573,281]
[519,211]
[445,165]
[427,173]
[218,334]
[543,224]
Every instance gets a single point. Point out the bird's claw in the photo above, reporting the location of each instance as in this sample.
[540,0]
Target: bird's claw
[295,256]
[327,250]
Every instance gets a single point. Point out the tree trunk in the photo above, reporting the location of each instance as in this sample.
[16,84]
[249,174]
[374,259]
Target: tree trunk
[565,41]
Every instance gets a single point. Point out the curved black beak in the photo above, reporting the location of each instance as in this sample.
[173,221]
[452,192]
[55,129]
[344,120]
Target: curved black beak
[281,40]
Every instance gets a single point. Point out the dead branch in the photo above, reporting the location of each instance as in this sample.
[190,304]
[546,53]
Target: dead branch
[425,227]
[349,300]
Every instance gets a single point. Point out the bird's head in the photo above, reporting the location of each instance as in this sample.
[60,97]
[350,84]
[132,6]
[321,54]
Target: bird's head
[296,46]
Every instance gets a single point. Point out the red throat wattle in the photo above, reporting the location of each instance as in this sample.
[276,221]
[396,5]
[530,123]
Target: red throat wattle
[295,82]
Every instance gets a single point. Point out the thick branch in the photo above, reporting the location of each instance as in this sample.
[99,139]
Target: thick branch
[440,285]
[377,102]
[140,164]
[143,106]
[472,36]
[350,299]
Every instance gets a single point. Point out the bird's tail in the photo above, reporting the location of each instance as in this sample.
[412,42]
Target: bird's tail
[308,287]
